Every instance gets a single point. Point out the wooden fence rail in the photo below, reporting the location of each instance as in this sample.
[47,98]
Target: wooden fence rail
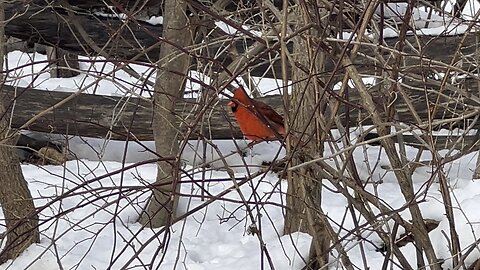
[116,117]
[82,32]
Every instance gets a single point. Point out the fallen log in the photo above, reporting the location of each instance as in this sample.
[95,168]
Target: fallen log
[36,22]
[98,116]
[82,31]
[121,117]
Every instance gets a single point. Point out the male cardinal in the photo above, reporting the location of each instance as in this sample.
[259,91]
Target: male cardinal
[257,120]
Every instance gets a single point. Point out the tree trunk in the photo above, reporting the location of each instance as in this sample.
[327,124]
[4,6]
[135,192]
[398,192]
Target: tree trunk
[169,86]
[476,172]
[17,204]
[305,185]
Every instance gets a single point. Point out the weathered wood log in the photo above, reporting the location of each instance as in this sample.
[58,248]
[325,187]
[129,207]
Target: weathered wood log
[126,4]
[245,5]
[51,25]
[99,116]
[119,117]
[134,40]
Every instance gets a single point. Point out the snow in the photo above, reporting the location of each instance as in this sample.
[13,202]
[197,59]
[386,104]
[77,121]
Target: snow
[102,227]
[102,78]
[91,204]
[101,230]
[233,31]
[425,21]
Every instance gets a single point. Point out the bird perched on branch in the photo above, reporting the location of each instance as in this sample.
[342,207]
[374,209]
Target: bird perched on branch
[257,120]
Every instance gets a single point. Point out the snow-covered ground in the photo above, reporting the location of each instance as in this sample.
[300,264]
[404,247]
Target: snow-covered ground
[101,227]
[92,204]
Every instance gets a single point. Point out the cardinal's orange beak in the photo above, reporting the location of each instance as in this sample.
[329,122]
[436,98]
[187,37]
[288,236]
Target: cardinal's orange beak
[231,104]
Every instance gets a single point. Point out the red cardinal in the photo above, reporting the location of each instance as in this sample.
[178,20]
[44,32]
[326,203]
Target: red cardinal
[257,120]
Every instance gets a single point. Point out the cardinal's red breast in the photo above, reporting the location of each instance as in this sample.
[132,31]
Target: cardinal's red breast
[257,120]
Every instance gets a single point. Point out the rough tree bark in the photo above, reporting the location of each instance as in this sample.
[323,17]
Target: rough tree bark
[17,204]
[476,172]
[169,86]
[404,178]
[305,184]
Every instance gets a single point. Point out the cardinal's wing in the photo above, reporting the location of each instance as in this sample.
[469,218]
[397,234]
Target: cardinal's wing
[268,112]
